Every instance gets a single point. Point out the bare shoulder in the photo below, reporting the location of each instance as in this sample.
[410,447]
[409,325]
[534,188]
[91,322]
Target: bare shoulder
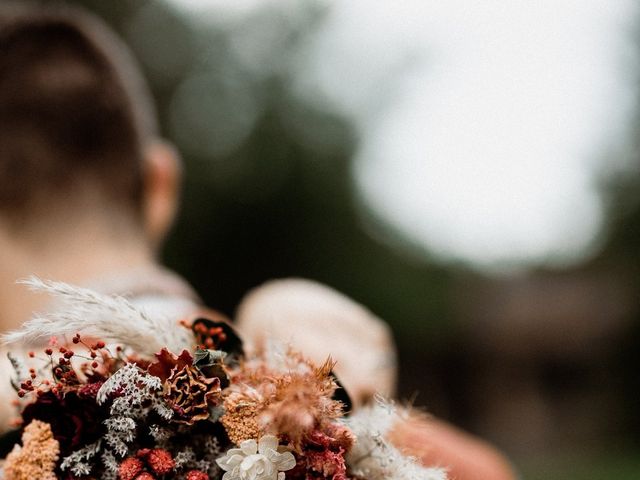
[466,457]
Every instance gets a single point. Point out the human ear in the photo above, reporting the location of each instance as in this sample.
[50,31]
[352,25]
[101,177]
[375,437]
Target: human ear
[162,174]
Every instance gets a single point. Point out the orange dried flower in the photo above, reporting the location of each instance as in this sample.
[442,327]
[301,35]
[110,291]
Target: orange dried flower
[37,457]
[301,402]
[289,400]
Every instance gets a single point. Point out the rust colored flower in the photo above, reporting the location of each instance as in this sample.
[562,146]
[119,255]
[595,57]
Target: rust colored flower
[197,475]
[166,362]
[190,394]
[145,476]
[130,469]
[37,457]
[159,460]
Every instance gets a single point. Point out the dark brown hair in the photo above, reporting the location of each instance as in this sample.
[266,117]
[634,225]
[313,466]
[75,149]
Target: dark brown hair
[75,113]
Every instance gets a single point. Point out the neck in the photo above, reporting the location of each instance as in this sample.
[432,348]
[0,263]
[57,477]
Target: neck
[76,258]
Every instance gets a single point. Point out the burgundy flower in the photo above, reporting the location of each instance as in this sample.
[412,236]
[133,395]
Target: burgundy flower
[90,390]
[76,420]
[323,456]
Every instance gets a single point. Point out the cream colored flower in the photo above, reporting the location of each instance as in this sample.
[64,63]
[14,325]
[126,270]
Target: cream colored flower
[263,460]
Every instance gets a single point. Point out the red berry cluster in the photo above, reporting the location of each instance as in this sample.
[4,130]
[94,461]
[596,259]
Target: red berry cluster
[62,371]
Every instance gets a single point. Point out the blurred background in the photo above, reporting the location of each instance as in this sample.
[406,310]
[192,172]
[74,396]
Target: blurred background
[468,170]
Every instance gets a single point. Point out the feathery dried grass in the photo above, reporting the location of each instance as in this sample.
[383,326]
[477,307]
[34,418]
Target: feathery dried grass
[111,318]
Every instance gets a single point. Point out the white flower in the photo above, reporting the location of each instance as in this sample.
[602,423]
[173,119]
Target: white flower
[263,460]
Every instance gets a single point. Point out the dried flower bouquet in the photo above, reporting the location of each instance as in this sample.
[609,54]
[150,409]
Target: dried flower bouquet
[119,395]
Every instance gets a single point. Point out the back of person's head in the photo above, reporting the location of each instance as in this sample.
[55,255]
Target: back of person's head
[75,118]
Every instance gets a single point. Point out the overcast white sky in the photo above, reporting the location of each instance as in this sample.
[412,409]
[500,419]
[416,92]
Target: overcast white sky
[484,123]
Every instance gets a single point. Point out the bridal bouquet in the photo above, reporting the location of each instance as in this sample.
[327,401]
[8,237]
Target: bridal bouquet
[117,394]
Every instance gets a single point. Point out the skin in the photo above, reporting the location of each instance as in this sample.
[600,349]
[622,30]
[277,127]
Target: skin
[76,245]
[466,457]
